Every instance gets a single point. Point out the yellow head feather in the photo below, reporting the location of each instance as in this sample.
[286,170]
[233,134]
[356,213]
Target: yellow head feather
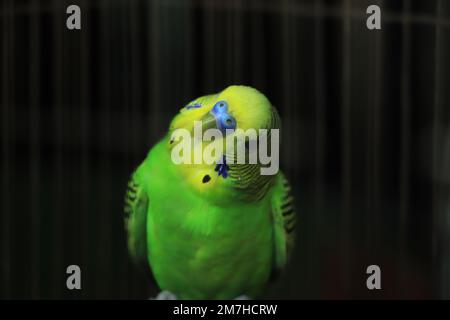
[251,110]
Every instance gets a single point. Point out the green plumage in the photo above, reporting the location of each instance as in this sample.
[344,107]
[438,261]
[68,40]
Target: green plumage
[200,247]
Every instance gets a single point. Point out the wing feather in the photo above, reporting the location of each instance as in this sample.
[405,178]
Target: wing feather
[284,222]
[135,209]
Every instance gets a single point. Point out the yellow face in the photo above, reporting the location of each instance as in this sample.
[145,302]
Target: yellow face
[236,107]
[249,108]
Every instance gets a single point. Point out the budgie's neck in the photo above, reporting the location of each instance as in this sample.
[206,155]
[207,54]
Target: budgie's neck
[248,182]
[223,183]
[248,179]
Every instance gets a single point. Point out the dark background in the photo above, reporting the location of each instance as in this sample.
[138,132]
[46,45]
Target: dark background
[366,135]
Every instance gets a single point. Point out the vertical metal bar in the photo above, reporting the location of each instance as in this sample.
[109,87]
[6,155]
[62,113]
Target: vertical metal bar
[374,142]
[135,79]
[11,38]
[104,246]
[6,157]
[155,67]
[320,115]
[377,125]
[85,181]
[35,148]
[165,44]
[58,117]
[370,139]
[208,43]
[346,160]
[258,52]
[320,105]
[286,65]
[237,42]
[228,30]
[405,140]
[444,292]
[437,155]
[295,36]
[188,57]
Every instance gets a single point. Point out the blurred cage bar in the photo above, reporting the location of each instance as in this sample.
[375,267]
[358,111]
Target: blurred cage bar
[366,134]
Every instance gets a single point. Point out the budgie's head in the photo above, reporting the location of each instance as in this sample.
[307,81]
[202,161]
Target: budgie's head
[231,112]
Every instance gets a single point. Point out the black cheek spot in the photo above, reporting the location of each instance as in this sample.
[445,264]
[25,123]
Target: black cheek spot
[206,178]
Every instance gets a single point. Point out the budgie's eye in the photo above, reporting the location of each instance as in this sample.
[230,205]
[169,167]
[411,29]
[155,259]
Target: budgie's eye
[194,106]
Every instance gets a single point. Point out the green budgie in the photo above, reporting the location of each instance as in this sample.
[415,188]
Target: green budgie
[211,231]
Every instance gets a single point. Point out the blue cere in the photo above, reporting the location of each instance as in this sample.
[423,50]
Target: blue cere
[223,118]
[220,107]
